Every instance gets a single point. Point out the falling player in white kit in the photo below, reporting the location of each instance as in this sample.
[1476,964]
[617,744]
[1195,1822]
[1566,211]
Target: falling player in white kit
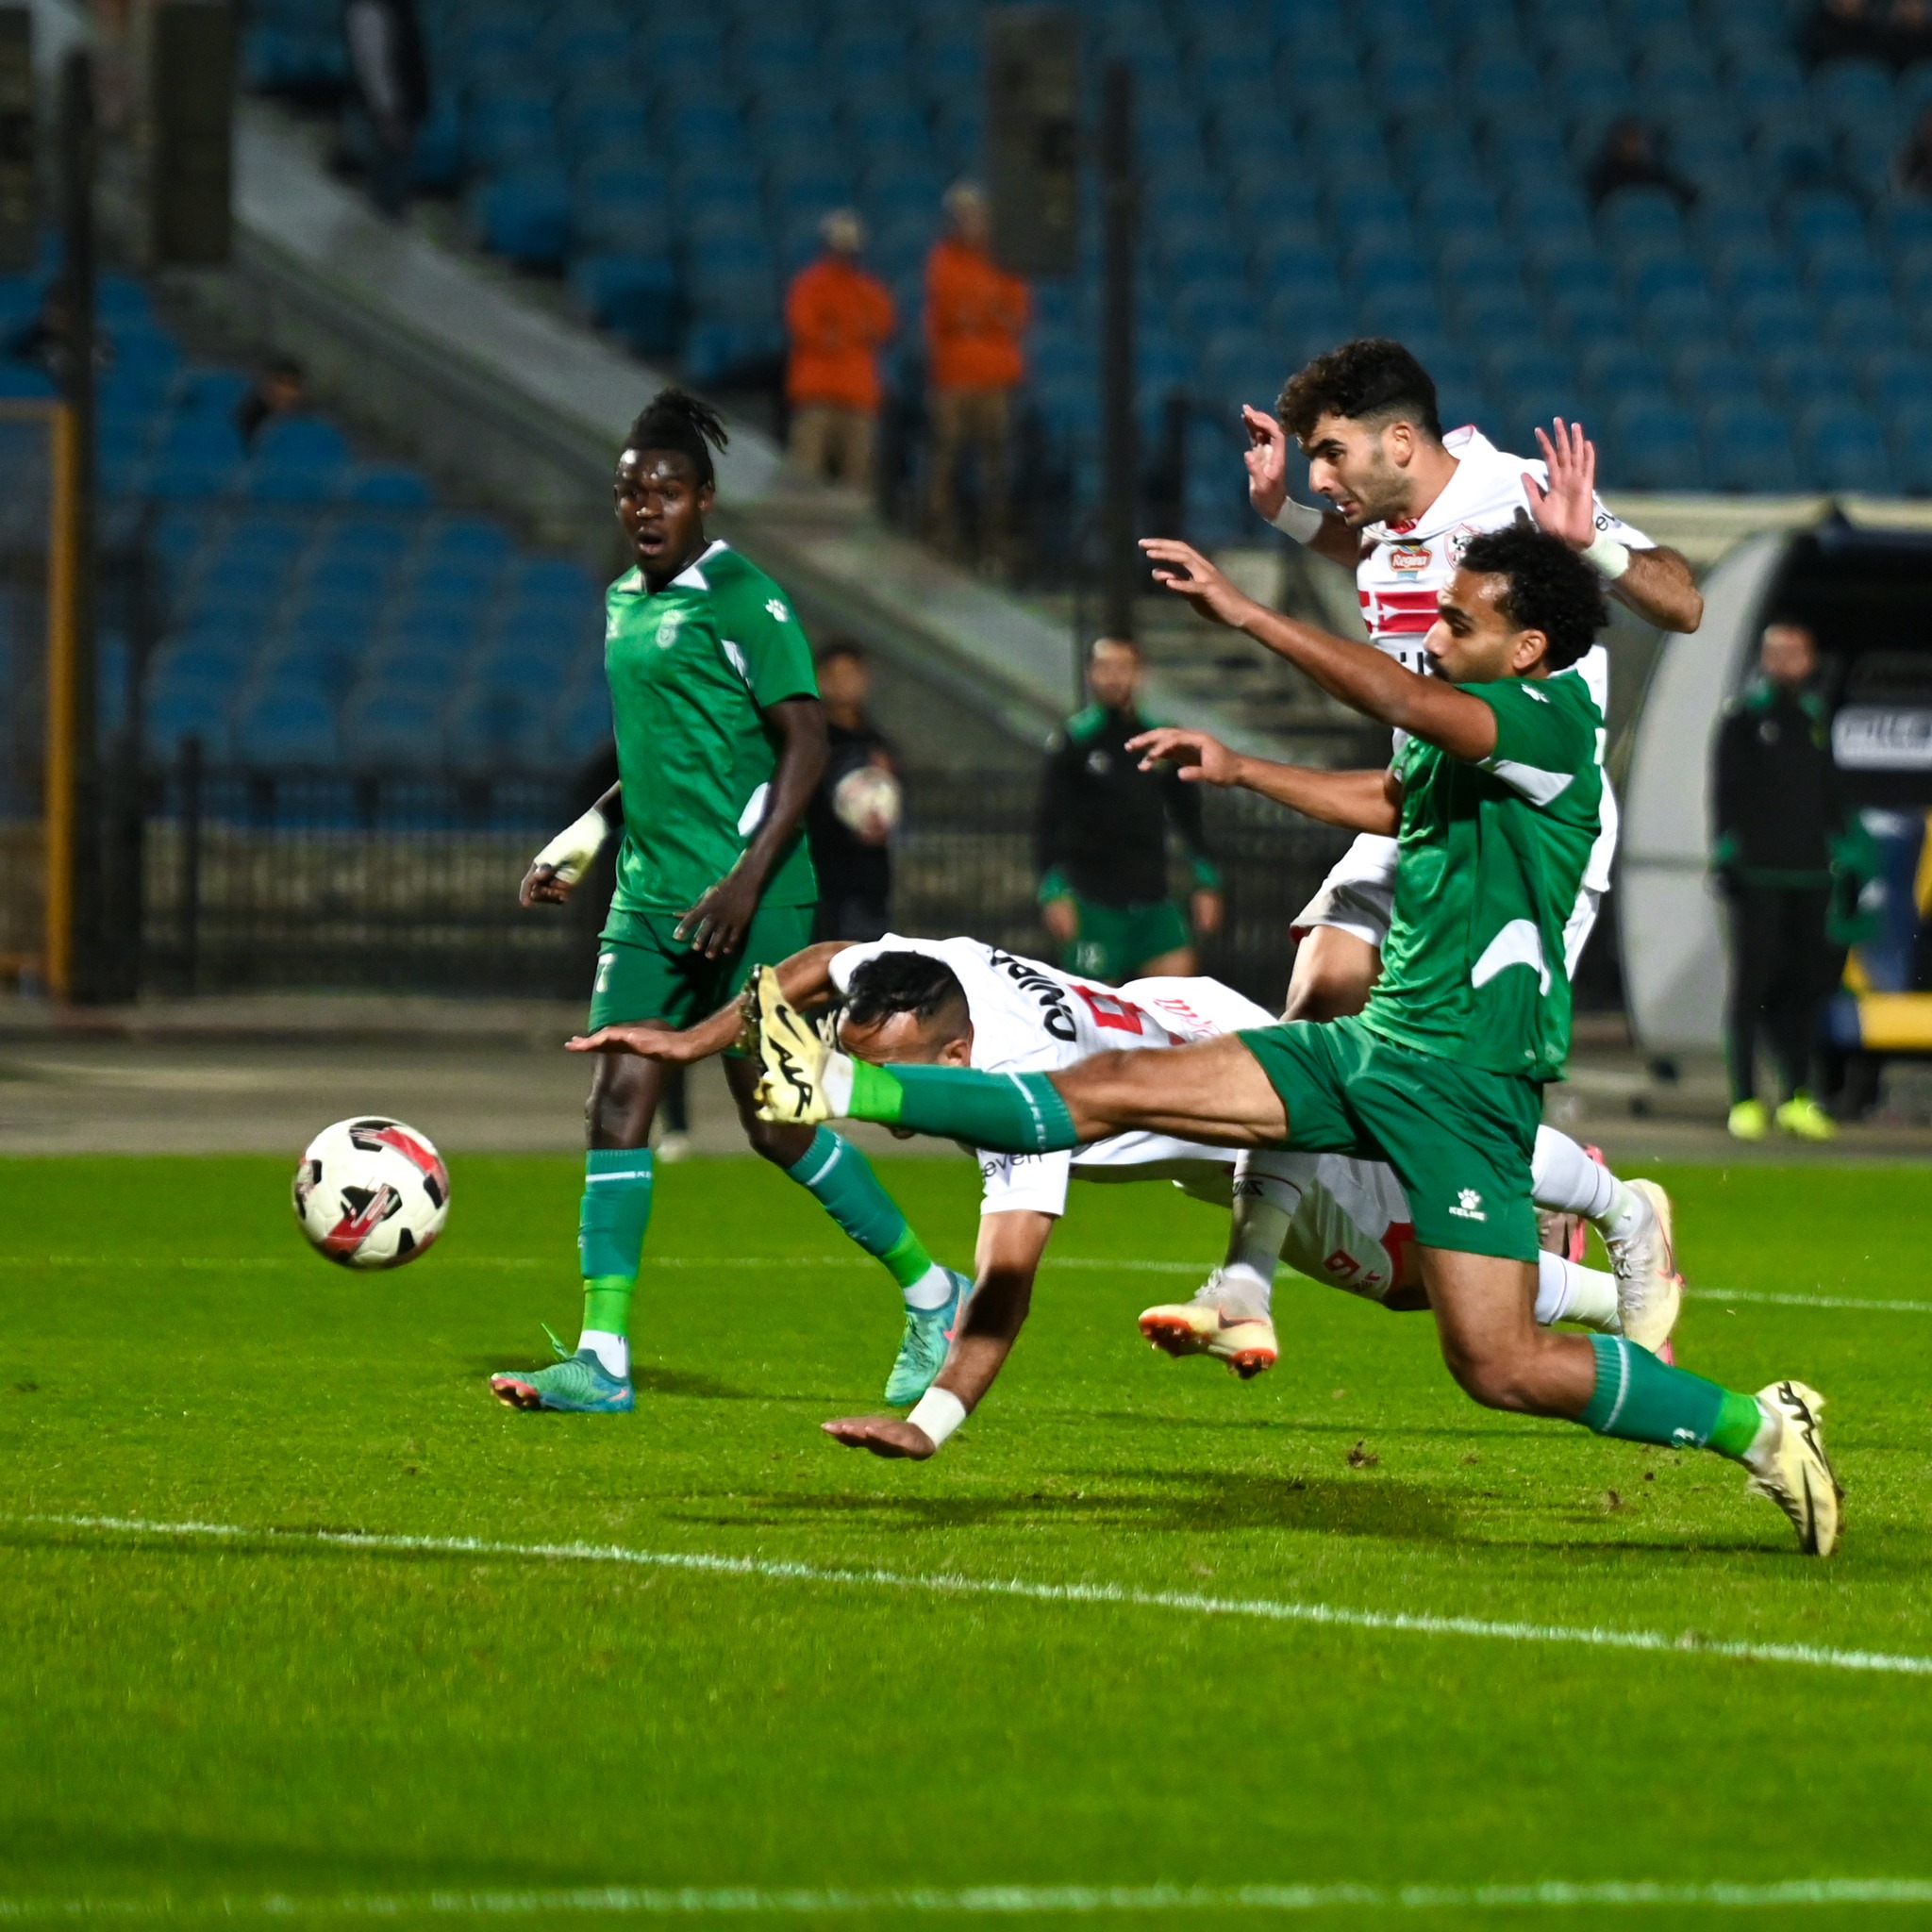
[1338,1220]
[1406,500]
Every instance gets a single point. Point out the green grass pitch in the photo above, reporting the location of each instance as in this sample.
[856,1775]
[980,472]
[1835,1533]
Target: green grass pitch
[188,1720]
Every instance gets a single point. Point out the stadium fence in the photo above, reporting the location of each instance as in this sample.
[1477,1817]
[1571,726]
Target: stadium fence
[255,879]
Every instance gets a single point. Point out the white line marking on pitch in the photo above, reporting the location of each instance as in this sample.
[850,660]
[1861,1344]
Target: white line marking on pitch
[1555,1896]
[1265,1609]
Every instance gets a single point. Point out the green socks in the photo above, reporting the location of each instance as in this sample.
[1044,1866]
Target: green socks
[840,1179]
[1643,1400]
[1010,1113]
[611,1218]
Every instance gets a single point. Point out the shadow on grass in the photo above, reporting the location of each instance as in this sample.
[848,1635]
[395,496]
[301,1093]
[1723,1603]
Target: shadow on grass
[1162,1502]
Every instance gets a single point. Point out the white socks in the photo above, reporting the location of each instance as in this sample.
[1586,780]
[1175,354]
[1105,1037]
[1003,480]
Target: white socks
[613,1351]
[1265,1205]
[1565,1292]
[1564,1178]
[837,1082]
[930,1293]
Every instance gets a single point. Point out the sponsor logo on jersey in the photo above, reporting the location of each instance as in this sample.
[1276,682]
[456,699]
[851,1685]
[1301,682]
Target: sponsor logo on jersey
[1469,1206]
[1407,558]
[1056,1015]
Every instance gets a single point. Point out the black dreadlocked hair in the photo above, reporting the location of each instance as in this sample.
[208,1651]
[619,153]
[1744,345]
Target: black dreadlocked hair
[674,419]
[1551,588]
[914,983]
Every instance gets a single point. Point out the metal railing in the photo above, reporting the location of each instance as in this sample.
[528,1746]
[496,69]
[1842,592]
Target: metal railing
[257,879]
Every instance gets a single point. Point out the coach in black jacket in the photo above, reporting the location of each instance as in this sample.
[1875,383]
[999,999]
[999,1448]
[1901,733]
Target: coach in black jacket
[1776,807]
[1102,838]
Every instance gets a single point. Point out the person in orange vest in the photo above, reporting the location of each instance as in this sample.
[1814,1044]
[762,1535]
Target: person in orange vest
[838,318]
[975,313]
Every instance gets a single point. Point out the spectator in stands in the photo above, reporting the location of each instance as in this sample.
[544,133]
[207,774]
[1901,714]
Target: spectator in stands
[1629,159]
[838,318]
[853,816]
[42,340]
[391,75]
[1776,809]
[1101,837]
[976,314]
[1908,33]
[281,389]
[1913,168]
[1842,30]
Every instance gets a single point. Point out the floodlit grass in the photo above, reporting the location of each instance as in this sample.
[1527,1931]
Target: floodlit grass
[188,1718]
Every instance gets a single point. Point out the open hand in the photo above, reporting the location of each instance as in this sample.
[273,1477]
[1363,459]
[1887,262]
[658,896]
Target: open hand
[884,1435]
[1184,570]
[541,886]
[1200,758]
[1567,508]
[1267,462]
[718,922]
[647,1043]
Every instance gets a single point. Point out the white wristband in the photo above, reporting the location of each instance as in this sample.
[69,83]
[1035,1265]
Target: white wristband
[1299,520]
[939,1412]
[569,855]
[1608,558]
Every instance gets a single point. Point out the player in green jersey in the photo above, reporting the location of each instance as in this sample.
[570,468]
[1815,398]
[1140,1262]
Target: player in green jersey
[721,742]
[1493,802]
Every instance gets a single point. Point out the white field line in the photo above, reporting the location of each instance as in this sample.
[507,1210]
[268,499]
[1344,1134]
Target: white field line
[735,1261]
[1085,1900]
[1266,1610]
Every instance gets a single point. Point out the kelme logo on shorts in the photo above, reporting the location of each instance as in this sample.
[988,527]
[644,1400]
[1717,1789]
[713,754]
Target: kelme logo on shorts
[1469,1206]
[668,627]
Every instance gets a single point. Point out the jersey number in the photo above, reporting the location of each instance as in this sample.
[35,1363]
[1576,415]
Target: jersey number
[1109,1009]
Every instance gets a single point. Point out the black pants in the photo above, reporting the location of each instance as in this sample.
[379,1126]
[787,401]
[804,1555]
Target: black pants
[1782,970]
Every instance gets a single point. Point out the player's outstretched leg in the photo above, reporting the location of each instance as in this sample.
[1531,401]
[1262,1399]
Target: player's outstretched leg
[1633,1217]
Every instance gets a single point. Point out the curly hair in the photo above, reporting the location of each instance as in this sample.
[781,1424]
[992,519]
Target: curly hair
[1551,588]
[1370,380]
[676,420]
[914,983]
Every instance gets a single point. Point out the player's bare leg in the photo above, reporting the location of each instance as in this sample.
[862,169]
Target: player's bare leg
[1179,964]
[1333,973]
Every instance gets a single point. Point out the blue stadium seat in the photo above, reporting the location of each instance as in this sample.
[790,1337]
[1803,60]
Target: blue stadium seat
[497,729]
[1704,374]
[214,392]
[510,130]
[398,730]
[392,484]
[1845,449]
[1863,325]
[1656,446]
[632,296]
[1911,449]
[300,440]
[526,216]
[1748,447]
[1898,383]
[286,728]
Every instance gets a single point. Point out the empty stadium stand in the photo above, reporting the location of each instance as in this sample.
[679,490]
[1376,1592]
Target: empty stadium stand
[1312,170]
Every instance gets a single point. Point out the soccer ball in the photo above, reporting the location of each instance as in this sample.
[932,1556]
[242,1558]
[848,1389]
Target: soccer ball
[867,800]
[370,1192]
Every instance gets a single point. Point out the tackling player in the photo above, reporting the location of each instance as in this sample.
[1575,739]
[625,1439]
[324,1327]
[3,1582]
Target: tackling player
[719,742]
[1406,500]
[1493,801]
[959,1002]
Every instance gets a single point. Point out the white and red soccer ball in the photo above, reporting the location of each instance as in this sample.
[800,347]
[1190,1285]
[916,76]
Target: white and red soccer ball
[370,1192]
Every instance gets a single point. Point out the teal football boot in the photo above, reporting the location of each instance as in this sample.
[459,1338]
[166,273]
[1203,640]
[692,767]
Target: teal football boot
[576,1384]
[922,1347]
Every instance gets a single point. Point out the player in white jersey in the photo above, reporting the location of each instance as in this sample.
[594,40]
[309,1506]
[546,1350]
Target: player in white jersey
[1336,1218]
[1406,500]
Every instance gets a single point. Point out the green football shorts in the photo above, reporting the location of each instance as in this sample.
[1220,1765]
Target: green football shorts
[1115,941]
[643,972]
[1459,1140]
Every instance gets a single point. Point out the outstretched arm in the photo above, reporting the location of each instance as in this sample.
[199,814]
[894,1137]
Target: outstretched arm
[1010,1245]
[1361,676]
[1361,800]
[1656,584]
[805,978]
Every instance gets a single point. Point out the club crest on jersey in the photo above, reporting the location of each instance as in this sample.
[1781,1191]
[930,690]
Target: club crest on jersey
[668,627]
[1405,560]
[1457,542]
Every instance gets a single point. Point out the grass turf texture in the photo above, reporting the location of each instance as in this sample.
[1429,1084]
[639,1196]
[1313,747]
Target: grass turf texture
[190,1720]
